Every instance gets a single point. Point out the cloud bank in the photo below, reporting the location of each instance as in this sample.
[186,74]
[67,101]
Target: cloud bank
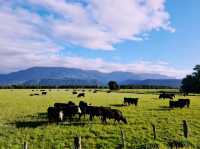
[33,32]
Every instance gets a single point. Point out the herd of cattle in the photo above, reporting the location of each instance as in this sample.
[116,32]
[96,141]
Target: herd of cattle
[180,103]
[66,111]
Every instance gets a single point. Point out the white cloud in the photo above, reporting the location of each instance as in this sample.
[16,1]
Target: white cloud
[30,37]
[25,61]
[95,25]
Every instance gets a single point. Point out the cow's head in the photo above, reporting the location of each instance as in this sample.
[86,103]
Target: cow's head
[124,120]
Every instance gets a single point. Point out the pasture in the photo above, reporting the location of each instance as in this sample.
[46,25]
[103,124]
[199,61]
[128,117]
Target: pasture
[23,118]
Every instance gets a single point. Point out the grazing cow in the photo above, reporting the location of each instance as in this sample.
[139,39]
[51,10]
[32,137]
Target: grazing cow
[180,103]
[36,94]
[69,109]
[55,114]
[113,114]
[130,101]
[74,92]
[83,106]
[164,96]
[81,95]
[63,105]
[173,104]
[102,112]
[44,93]
[95,91]
[185,101]
[71,103]
[108,91]
[93,111]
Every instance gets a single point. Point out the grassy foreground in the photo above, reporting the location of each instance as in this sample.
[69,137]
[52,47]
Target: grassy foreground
[23,118]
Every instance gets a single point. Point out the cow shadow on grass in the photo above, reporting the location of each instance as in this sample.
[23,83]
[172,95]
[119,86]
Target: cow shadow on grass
[30,124]
[41,120]
[118,105]
[31,121]
[35,124]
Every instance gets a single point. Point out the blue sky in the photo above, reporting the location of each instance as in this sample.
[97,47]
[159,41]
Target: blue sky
[140,36]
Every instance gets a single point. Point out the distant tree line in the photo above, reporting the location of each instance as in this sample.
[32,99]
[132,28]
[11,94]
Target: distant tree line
[113,85]
[47,87]
[86,87]
[145,87]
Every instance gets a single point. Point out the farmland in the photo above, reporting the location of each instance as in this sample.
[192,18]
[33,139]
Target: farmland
[23,118]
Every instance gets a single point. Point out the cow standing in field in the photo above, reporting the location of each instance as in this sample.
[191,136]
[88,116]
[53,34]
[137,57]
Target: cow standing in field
[44,93]
[81,95]
[95,91]
[83,106]
[129,101]
[69,109]
[55,114]
[180,103]
[74,92]
[113,114]
[164,96]
[93,111]
[36,94]
[185,102]
[103,112]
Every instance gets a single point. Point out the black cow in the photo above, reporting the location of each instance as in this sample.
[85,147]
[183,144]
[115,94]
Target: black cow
[44,93]
[180,103]
[173,104]
[55,114]
[83,106]
[36,94]
[95,91]
[185,102]
[81,95]
[164,96]
[113,114]
[63,105]
[130,101]
[69,109]
[71,103]
[74,92]
[93,111]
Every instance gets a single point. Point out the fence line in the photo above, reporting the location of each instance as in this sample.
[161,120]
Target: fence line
[77,143]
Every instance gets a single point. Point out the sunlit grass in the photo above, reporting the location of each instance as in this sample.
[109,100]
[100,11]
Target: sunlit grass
[21,120]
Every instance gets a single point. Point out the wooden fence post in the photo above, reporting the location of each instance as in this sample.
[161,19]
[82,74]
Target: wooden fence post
[154,131]
[25,145]
[185,129]
[123,139]
[77,143]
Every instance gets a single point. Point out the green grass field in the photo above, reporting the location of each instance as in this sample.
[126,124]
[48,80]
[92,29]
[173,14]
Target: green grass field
[22,118]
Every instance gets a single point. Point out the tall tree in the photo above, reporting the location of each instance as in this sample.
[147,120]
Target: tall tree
[113,85]
[191,84]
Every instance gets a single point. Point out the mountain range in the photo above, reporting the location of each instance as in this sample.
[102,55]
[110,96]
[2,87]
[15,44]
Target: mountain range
[56,76]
